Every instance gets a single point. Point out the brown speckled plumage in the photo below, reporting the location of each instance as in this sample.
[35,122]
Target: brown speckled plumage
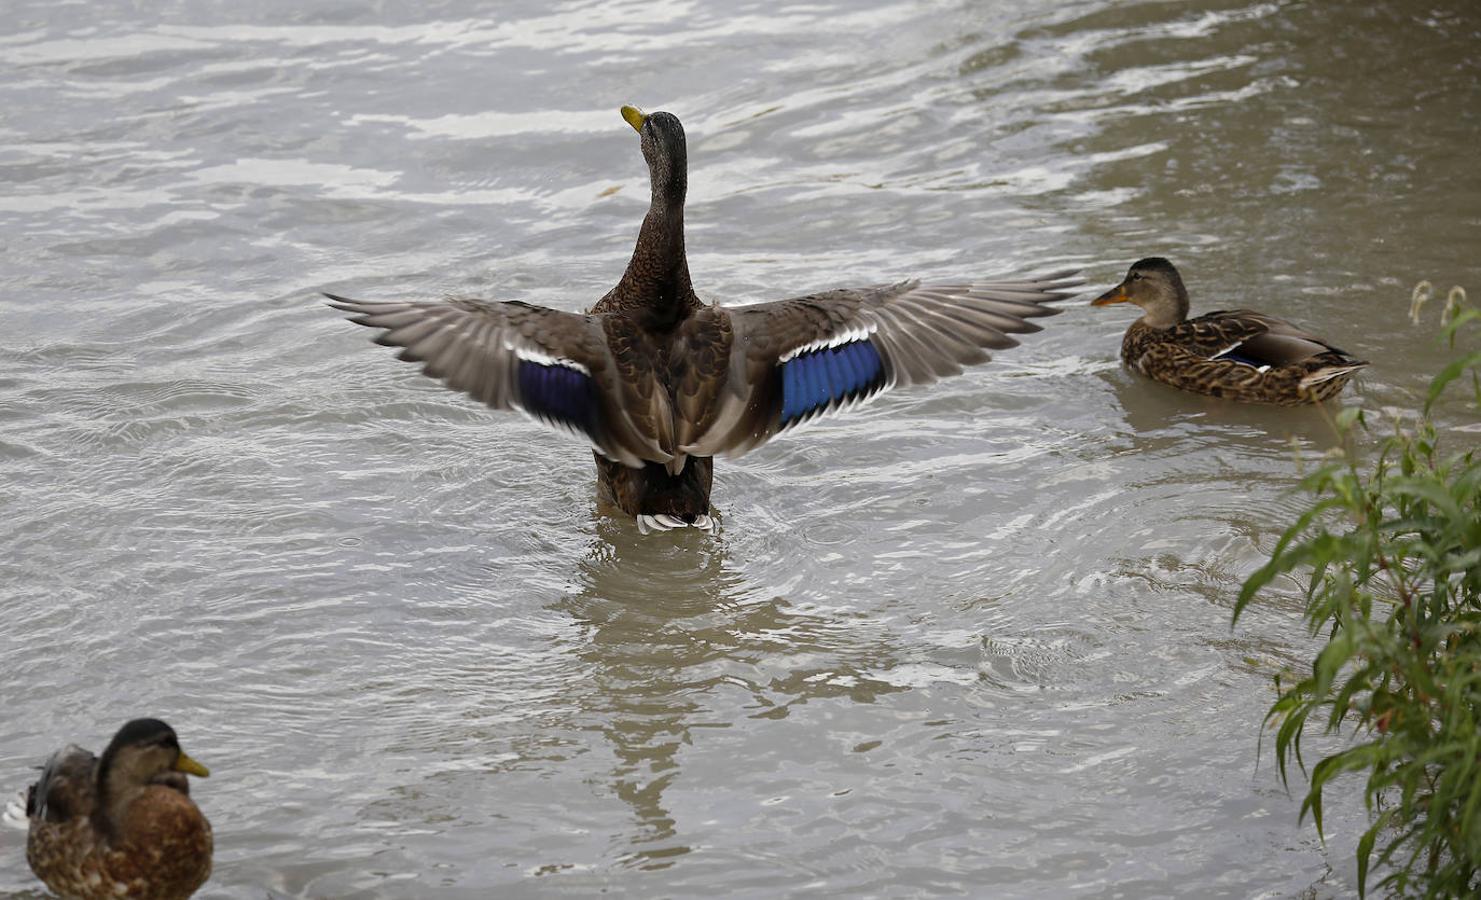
[658,382]
[121,827]
[1235,354]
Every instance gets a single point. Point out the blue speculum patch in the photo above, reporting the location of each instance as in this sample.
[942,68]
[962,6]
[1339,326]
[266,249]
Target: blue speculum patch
[556,393]
[1235,356]
[828,376]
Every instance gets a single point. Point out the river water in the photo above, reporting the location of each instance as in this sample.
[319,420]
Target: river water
[968,640]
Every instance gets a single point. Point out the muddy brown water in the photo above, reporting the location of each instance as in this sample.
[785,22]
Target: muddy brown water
[968,640]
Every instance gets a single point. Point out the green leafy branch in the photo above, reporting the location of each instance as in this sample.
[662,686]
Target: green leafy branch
[1393,548]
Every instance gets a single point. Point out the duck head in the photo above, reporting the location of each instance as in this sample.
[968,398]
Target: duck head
[1154,285]
[664,149]
[144,752]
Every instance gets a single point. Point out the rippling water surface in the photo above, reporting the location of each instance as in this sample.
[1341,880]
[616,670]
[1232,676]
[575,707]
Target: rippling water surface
[973,639]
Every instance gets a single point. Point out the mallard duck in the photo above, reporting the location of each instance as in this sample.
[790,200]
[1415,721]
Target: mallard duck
[658,382]
[121,827]
[1238,354]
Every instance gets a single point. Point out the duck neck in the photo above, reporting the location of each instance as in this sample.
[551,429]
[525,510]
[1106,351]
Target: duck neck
[1169,306]
[113,801]
[659,271]
[1163,319]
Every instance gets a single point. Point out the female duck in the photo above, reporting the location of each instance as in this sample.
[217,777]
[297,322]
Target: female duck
[121,827]
[659,383]
[1238,354]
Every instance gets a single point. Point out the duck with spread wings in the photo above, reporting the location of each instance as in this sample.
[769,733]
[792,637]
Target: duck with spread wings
[659,382]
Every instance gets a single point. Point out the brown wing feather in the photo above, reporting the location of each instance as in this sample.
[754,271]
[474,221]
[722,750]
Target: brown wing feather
[1181,367]
[1215,333]
[1258,339]
[702,365]
[478,346]
[639,390]
[921,332]
[66,788]
[1241,355]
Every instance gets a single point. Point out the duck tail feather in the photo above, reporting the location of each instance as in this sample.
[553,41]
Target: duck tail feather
[1328,373]
[14,815]
[647,524]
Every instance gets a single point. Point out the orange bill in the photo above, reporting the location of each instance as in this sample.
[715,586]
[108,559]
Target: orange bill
[1116,294]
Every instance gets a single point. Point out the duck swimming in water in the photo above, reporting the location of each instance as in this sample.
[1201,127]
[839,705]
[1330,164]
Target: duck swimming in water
[1237,354]
[659,382]
[121,826]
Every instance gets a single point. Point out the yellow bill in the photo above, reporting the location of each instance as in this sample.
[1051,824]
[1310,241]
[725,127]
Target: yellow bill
[634,117]
[1116,294]
[189,766]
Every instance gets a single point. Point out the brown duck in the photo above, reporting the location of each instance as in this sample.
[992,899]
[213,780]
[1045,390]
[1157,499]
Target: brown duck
[659,382]
[122,826]
[1238,354]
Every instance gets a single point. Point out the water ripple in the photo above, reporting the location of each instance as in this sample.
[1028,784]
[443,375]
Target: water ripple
[964,639]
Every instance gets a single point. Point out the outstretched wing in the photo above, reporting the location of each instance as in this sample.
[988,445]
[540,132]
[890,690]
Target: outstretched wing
[554,366]
[793,360]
